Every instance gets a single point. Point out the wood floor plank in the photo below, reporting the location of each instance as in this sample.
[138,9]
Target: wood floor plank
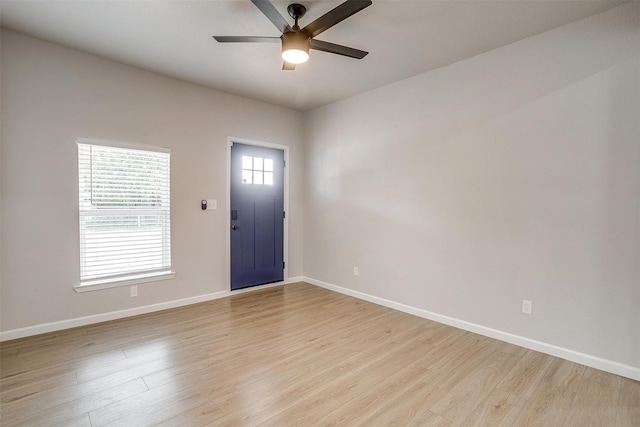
[450,364]
[343,389]
[71,409]
[628,414]
[143,364]
[371,397]
[12,390]
[471,392]
[247,352]
[297,355]
[79,421]
[137,404]
[523,379]
[500,408]
[311,375]
[220,371]
[549,404]
[40,341]
[596,400]
[406,408]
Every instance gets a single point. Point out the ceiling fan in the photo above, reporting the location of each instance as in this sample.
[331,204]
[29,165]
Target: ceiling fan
[296,42]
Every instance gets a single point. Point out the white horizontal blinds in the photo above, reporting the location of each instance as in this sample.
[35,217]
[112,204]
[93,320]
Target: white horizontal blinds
[125,225]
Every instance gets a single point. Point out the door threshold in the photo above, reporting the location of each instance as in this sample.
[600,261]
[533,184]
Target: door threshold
[256,287]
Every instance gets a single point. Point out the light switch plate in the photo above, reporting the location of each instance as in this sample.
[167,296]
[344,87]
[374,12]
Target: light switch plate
[212,204]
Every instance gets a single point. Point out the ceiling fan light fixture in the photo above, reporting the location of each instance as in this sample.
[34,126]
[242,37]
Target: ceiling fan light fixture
[295,47]
[297,41]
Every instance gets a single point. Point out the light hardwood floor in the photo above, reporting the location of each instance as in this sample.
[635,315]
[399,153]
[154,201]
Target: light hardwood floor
[297,355]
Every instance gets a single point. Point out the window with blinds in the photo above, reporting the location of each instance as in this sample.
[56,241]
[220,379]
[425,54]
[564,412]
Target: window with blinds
[125,222]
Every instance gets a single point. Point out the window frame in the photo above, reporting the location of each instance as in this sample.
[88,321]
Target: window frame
[130,278]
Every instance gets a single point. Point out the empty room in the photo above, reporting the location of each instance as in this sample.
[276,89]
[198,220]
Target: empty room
[324,212]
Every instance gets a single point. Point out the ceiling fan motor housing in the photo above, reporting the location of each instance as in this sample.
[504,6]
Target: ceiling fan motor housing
[295,43]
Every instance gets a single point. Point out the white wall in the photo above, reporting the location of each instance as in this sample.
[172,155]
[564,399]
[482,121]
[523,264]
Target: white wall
[52,95]
[508,176]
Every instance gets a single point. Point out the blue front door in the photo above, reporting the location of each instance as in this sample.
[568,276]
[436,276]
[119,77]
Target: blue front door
[257,215]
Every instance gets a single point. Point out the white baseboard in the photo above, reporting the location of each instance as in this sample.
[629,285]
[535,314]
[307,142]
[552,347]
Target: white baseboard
[553,350]
[104,317]
[120,314]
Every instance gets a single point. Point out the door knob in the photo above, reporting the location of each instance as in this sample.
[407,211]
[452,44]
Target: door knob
[234,227]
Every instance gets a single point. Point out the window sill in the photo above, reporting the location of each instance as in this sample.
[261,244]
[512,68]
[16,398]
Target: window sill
[134,279]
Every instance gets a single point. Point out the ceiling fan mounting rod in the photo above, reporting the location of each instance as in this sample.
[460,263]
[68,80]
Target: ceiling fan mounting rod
[296,11]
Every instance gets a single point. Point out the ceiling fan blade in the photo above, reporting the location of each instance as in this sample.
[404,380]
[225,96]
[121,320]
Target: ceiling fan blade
[288,66]
[272,14]
[246,39]
[334,16]
[337,49]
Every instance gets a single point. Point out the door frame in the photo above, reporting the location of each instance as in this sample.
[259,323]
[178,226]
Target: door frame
[285,226]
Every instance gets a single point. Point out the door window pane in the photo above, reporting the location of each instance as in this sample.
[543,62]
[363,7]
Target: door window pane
[257,170]
[257,163]
[268,178]
[247,162]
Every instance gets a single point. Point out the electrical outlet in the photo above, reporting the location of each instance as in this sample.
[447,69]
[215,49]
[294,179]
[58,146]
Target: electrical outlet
[356,271]
[134,291]
[526,306]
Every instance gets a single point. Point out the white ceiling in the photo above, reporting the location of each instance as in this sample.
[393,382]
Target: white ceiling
[404,38]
